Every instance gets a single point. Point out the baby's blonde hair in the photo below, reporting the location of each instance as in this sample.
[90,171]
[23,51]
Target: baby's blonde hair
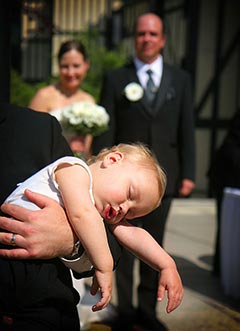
[140,153]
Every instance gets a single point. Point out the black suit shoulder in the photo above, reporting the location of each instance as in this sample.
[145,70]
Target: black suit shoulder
[121,71]
[176,71]
[29,140]
[22,113]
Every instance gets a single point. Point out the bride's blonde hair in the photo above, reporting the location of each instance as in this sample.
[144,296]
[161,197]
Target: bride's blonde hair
[142,155]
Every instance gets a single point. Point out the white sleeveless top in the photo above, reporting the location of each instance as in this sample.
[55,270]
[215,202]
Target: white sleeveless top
[44,182]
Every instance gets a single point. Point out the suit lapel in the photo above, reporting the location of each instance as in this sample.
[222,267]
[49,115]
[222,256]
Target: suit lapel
[143,103]
[132,77]
[163,90]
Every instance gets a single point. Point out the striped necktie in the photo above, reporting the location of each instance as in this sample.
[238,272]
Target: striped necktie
[150,90]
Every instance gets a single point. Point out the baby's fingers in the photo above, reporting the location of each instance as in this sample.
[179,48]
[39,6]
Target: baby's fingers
[94,286]
[106,297]
[160,292]
[174,300]
[100,305]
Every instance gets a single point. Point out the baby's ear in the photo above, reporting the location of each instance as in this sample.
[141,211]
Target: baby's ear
[112,158]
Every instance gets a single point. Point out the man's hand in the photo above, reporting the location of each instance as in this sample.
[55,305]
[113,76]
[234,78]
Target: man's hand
[186,188]
[40,234]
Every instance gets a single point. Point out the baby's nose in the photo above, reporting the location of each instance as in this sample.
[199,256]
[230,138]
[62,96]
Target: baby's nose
[120,209]
[124,208]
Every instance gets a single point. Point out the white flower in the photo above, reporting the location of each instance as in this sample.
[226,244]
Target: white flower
[85,118]
[133,92]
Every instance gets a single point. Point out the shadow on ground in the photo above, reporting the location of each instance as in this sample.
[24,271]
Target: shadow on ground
[204,282]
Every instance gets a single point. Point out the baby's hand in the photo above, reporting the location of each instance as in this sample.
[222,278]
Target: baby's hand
[170,281]
[103,282]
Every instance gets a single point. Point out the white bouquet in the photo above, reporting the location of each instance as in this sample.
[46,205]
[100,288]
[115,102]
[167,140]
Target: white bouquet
[85,118]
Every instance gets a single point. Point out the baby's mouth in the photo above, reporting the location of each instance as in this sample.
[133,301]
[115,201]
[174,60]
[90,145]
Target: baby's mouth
[110,213]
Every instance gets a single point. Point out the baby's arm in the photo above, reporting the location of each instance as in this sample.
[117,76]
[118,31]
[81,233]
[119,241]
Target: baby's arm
[148,250]
[73,182]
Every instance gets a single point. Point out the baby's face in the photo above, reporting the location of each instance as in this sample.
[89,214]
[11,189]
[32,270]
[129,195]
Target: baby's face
[126,191]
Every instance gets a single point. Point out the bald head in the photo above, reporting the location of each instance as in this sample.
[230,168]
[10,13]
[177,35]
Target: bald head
[149,16]
[149,37]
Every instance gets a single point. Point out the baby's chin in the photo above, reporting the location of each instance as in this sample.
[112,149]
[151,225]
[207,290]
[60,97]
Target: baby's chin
[108,221]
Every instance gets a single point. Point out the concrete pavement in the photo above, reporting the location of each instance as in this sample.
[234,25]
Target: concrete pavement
[190,239]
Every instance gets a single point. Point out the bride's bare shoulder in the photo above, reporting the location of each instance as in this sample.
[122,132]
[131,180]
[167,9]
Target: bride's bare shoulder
[84,96]
[44,98]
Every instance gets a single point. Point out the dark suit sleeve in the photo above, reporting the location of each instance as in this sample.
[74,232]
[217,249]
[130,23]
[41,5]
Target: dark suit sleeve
[59,146]
[107,139]
[187,132]
[231,146]
[225,168]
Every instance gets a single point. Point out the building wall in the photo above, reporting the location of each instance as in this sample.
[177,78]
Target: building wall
[73,17]
[214,35]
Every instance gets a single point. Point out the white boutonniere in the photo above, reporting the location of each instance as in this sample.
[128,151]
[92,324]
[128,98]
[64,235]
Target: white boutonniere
[133,92]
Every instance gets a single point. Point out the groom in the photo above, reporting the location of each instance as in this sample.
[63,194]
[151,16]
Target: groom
[156,110]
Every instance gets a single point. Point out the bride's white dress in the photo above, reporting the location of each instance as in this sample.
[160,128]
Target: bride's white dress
[57,113]
[70,136]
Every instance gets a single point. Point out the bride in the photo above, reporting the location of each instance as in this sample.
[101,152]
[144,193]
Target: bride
[73,67]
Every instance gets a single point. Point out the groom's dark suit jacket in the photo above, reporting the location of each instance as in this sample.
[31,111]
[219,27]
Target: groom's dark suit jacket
[167,127]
